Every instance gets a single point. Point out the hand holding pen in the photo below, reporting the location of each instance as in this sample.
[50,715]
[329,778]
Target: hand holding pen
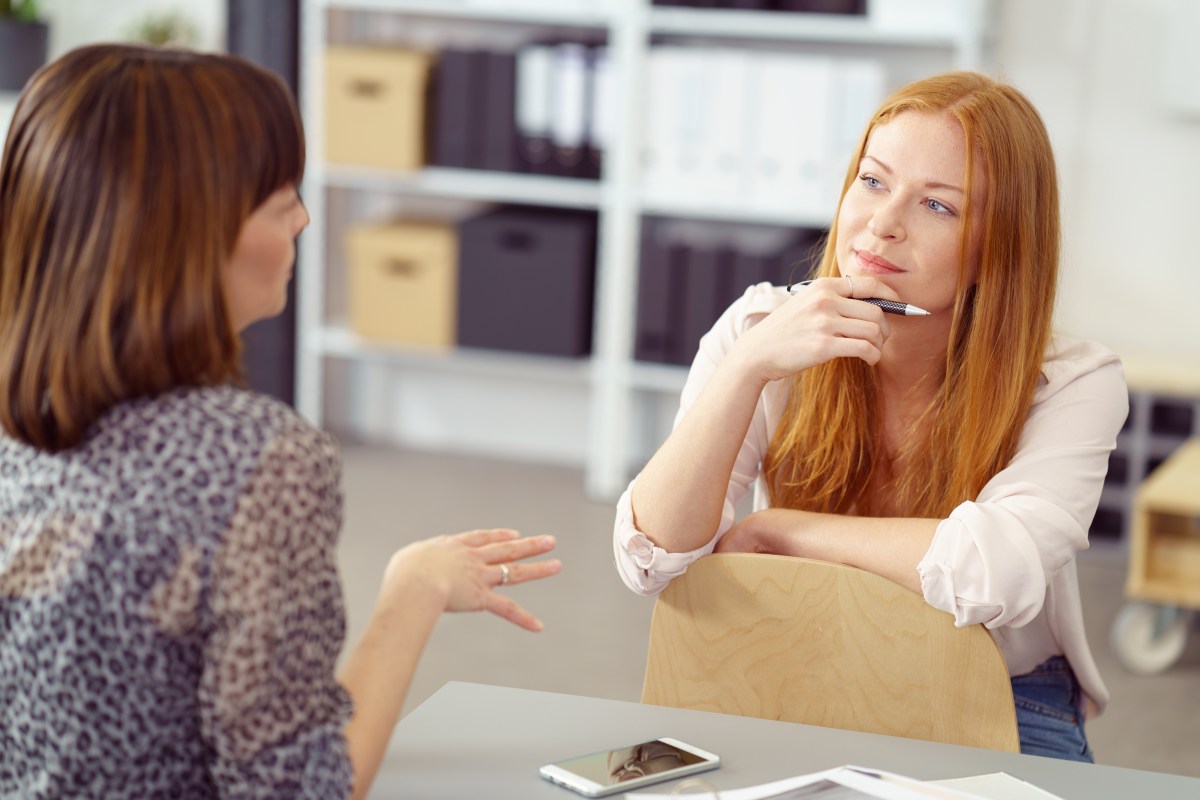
[823,322]
[890,306]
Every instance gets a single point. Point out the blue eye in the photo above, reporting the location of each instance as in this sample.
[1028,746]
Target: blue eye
[869,182]
[938,207]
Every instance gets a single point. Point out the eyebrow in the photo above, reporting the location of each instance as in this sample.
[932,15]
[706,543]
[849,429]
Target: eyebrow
[928,184]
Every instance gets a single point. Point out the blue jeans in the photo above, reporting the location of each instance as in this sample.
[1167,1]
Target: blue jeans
[1049,719]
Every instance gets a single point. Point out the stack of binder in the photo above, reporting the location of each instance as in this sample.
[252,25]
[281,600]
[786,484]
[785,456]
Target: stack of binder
[690,272]
[803,6]
[539,109]
[768,132]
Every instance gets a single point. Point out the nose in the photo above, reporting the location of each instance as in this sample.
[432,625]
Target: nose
[302,219]
[887,220]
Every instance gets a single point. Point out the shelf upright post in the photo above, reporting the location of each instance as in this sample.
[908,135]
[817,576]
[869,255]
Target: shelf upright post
[616,282]
[310,294]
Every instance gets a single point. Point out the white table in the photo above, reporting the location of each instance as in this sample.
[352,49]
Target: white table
[474,741]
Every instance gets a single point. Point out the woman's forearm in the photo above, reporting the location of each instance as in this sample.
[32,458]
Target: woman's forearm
[679,495]
[378,672]
[421,581]
[888,546]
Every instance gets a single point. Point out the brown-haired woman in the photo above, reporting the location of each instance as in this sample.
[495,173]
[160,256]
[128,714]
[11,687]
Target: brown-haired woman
[171,614]
[960,454]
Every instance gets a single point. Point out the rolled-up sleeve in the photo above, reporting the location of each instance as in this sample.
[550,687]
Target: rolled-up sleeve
[991,560]
[645,567]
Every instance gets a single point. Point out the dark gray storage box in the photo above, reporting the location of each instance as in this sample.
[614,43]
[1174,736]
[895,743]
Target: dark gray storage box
[526,281]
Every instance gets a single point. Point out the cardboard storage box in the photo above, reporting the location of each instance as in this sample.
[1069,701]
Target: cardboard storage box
[404,282]
[375,106]
[526,280]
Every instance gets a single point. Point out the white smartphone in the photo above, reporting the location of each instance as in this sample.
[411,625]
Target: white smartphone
[624,769]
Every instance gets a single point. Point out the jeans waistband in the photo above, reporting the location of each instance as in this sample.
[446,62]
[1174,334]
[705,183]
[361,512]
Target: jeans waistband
[1055,665]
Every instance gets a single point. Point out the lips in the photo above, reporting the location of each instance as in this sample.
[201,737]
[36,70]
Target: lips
[869,262]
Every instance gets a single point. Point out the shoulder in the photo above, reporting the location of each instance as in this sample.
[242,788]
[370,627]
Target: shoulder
[1068,359]
[759,300]
[752,307]
[217,426]
[1078,373]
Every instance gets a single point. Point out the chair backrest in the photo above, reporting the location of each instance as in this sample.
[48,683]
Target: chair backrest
[825,644]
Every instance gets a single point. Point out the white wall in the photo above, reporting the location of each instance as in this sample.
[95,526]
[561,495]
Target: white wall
[77,22]
[1129,165]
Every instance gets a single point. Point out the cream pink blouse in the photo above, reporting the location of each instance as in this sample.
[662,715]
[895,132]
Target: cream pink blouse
[1006,559]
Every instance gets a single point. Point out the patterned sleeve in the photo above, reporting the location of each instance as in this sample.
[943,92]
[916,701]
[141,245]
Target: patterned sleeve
[272,713]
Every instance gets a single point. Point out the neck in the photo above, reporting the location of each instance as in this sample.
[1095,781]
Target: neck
[914,356]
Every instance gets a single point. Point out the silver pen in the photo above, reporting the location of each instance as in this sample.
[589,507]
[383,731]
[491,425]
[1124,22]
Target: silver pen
[890,306]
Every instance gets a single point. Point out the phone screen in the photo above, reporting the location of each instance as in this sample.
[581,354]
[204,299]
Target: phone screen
[612,767]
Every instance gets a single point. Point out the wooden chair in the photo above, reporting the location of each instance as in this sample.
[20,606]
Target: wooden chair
[825,644]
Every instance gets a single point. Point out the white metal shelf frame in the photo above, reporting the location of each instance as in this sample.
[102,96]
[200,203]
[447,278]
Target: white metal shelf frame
[576,13]
[466,184]
[613,376]
[766,26]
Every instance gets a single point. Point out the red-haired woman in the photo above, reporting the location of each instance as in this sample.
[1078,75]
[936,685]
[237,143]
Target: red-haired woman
[170,611]
[960,454]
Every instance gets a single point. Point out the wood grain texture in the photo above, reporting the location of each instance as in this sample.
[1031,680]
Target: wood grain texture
[825,644]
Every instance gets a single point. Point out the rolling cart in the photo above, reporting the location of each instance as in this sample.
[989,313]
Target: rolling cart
[1163,586]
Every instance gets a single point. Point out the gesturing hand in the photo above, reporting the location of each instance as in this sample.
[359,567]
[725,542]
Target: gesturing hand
[465,569]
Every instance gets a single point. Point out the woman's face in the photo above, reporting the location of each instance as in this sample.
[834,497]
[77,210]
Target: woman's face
[901,220]
[257,274]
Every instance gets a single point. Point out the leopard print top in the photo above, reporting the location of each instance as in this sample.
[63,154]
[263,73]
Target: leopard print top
[170,610]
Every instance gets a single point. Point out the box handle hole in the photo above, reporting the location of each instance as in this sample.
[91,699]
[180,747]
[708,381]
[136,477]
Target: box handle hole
[518,240]
[400,268]
[366,88]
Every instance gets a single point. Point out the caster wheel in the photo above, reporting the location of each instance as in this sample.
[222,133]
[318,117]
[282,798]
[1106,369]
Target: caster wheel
[1149,638]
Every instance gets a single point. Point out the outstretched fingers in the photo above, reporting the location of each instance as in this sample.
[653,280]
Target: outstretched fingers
[486,536]
[508,574]
[516,549]
[507,608]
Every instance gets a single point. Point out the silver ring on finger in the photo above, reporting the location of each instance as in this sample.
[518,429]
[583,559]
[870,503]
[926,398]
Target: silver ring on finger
[505,573]
[847,277]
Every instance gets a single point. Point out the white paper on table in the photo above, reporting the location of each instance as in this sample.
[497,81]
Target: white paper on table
[842,783]
[998,786]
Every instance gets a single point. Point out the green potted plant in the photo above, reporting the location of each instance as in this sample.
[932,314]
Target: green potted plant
[167,29]
[23,43]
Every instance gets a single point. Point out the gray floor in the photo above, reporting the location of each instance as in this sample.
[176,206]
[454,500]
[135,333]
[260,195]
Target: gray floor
[595,637]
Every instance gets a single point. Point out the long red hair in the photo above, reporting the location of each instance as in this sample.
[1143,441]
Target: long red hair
[828,445]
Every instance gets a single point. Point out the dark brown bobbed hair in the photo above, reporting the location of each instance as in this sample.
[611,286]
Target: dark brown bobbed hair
[126,178]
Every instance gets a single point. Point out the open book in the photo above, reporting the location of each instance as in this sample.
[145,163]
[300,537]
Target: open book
[860,783]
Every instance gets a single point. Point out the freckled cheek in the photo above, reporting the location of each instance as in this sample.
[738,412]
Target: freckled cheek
[850,224]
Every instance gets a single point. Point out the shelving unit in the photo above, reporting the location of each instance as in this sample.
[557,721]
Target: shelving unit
[1164,412]
[8,105]
[605,413]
